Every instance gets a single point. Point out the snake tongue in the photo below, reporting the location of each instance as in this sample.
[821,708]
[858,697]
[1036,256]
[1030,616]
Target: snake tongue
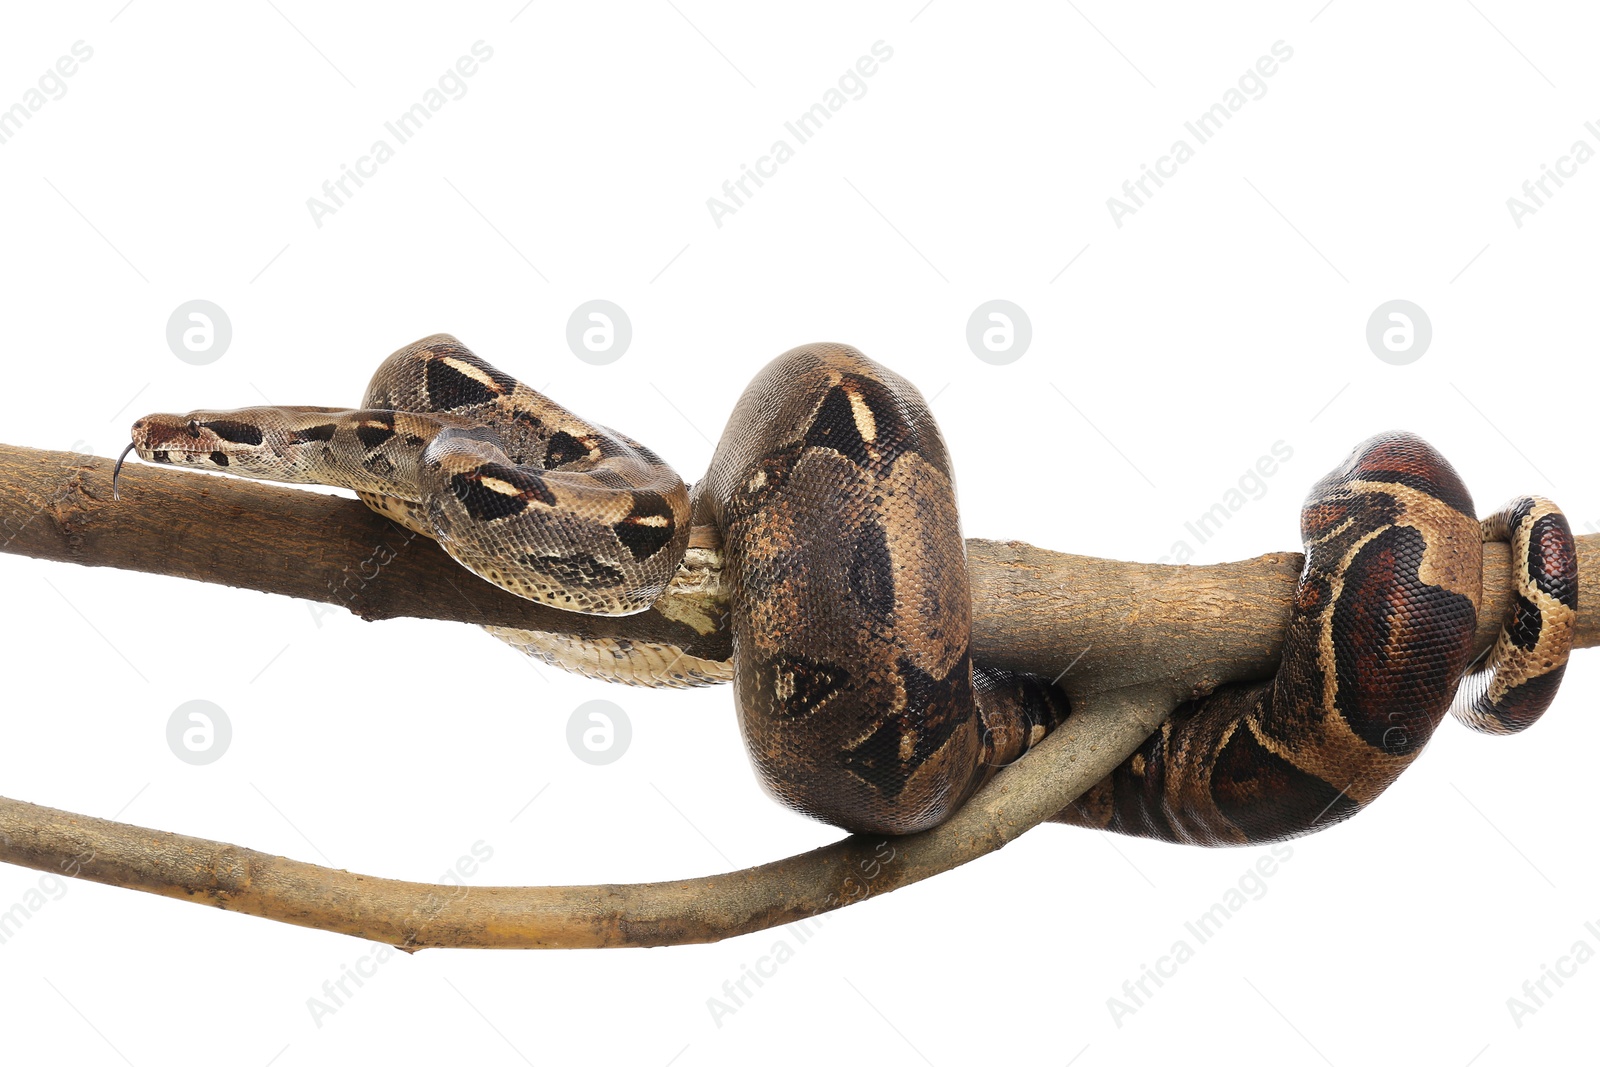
[116,472]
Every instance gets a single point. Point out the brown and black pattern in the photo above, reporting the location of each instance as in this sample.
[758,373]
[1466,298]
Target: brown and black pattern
[1015,712]
[856,691]
[1519,679]
[1380,638]
[511,484]
[851,607]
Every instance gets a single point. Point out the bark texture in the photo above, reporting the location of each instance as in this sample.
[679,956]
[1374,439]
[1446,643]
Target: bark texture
[1133,624]
[1127,640]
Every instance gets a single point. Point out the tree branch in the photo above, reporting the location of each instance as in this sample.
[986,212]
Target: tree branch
[416,915]
[1133,624]
[1136,637]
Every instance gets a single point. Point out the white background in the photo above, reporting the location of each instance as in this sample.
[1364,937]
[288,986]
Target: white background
[1227,314]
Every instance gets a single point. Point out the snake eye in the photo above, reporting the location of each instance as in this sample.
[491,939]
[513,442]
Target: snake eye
[194,427]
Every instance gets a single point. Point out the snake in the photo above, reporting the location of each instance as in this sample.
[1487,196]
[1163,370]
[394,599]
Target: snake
[832,495]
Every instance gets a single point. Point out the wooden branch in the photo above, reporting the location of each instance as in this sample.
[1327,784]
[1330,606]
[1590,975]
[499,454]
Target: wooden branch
[1143,636]
[1188,629]
[311,545]
[414,915]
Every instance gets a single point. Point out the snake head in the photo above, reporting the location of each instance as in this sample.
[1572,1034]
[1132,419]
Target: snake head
[229,439]
[255,442]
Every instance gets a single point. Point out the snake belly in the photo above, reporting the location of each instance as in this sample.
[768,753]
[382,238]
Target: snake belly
[832,491]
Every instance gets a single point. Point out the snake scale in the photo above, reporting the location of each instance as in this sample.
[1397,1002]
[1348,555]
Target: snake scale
[855,687]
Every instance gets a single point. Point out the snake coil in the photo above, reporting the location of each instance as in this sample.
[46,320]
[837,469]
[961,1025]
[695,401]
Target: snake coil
[855,687]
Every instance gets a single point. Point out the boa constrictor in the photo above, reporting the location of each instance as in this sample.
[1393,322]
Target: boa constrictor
[856,691]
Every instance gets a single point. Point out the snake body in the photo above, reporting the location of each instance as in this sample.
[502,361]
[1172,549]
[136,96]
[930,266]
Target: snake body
[857,695]
[1380,637]
[515,487]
